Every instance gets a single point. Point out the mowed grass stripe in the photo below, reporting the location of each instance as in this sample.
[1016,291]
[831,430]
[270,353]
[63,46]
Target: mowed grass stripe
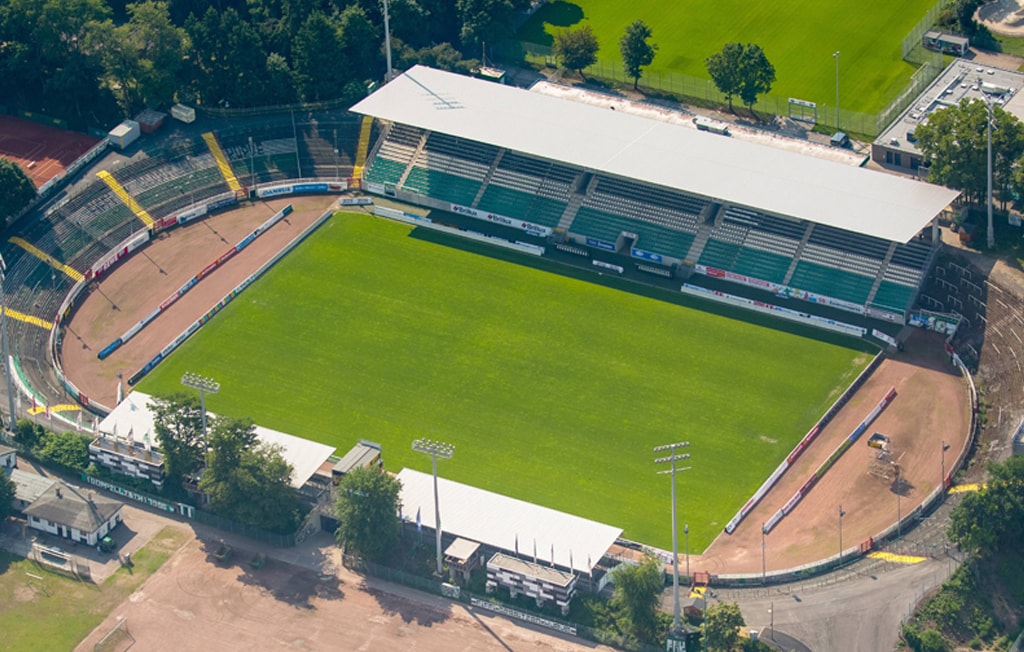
[798,38]
[553,390]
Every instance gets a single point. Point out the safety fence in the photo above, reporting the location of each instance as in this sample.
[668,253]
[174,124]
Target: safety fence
[493,605]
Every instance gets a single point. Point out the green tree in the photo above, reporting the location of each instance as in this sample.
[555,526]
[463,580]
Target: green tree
[724,67]
[757,73]
[318,58]
[953,143]
[178,426]
[721,626]
[992,519]
[227,57]
[68,449]
[141,58]
[360,42]
[487,21]
[367,507]
[248,481]
[280,80]
[16,190]
[636,52]
[29,435]
[637,592]
[7,490]
[576,49]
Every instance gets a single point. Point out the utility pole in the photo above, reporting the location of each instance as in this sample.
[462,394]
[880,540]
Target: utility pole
[764,555]
[841,515]
[836,57]
[673,458]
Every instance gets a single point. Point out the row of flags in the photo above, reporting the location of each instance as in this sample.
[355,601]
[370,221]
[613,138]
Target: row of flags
[419,529]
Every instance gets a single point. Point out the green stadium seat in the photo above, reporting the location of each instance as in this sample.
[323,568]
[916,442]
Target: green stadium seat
[831,282]
[443,186]
[893,296]
[521,205]
[384,170]
[653,238]
[719,254]
[761,264]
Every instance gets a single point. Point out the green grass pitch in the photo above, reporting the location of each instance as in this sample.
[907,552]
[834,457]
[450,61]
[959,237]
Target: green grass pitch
[798,38]
[553,390]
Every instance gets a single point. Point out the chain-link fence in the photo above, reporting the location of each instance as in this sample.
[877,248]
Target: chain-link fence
[703,91]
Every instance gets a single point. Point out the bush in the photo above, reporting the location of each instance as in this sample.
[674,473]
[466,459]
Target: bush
[69,450]
[932,641]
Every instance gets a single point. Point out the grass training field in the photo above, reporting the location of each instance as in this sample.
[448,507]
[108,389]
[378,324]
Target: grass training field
[553,390]
[55,612]
[798,38]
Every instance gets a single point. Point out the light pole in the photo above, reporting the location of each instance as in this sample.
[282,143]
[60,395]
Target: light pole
[686,535]
[764,556]
[435,449]
[7,354]
[771,626]
[836,57]
[673,458]
[252,164]
[945,447]
[204,385]
[899,512]
[841,515]
[988,122]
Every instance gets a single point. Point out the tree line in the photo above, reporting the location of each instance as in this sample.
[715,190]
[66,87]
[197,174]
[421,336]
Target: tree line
[94,62]
[737,70]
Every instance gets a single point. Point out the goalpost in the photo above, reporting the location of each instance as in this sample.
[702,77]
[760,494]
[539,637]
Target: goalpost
[117,639]
[803,110]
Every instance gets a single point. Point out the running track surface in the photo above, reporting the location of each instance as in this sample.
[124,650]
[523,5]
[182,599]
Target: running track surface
[42,152]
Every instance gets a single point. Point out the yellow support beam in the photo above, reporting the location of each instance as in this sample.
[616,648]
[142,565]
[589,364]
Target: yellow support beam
[128,200]
[29,319]
[72,273]
[364,146]
[899,559]
[222,161]
[63,407]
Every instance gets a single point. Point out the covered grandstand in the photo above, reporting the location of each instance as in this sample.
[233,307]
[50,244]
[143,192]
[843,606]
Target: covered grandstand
[680,199]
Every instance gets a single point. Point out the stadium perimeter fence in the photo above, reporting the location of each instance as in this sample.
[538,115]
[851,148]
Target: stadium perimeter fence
[435,587]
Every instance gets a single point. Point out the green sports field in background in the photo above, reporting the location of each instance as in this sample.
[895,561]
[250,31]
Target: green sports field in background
[552,389]
[798,37]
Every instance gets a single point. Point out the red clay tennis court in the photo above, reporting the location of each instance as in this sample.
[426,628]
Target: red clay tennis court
[42,151]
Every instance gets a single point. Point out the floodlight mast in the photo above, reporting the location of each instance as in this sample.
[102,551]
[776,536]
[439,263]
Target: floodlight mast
[203,384]
[7,355]
[673,458]
[435,449]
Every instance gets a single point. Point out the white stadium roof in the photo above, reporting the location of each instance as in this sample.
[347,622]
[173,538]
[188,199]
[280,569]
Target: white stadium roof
[133,415]
[499,521]
[717,167]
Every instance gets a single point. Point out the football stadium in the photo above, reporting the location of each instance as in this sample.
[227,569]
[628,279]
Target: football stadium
[553,287]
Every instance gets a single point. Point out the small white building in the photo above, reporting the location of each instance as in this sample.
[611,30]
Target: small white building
[72,513]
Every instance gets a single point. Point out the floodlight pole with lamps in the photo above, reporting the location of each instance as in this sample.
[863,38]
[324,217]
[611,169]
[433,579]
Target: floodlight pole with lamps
[7,354]
[387,44]
[435,449]
[673,458]
[204,385]
[836,57]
